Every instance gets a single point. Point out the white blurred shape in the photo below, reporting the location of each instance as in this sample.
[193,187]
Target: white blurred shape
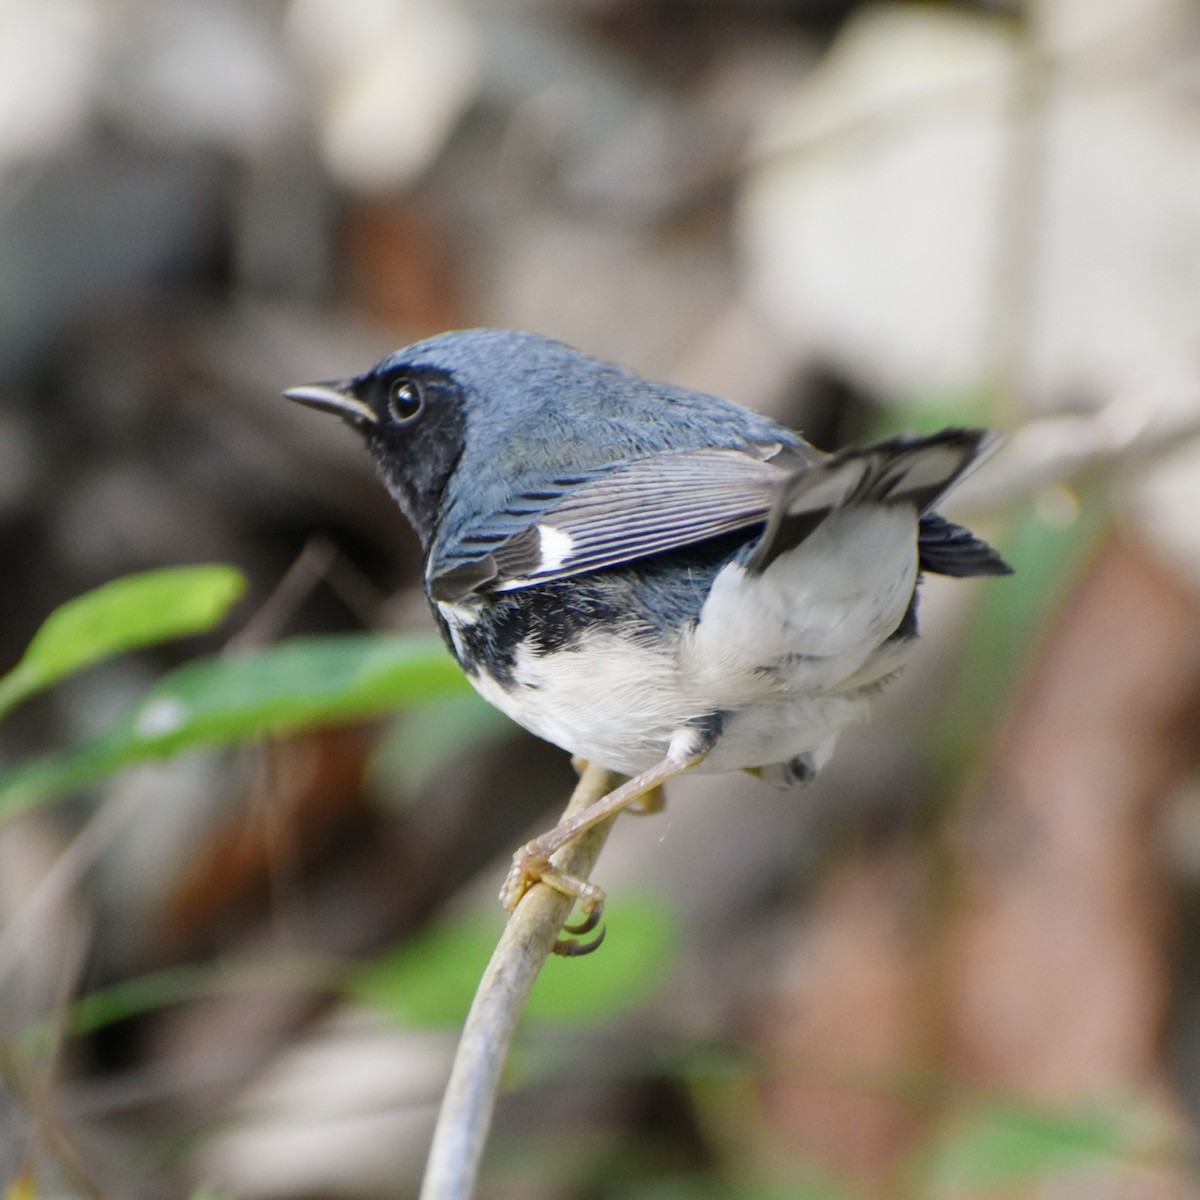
[394,78]
[349,1111]
[939,207]
[1117,304]
[47,74]
[1166,503]
[198,70]
[870,226]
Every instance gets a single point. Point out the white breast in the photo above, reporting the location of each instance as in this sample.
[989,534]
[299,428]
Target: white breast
[783,655]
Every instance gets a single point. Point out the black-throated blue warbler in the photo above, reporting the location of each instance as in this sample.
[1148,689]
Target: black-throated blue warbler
[654,579]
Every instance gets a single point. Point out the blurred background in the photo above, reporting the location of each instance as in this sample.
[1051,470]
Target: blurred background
[964,962]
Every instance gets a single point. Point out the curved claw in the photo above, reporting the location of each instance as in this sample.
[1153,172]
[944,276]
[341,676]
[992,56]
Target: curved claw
[574,948]
[591,918]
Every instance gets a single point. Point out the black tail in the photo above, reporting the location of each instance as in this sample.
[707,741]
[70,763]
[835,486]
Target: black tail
[903,470]
[949,549]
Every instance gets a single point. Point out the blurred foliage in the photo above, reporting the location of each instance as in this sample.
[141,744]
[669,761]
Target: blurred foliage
[432,979]
[995,1146]
[217,702]
[928,413]
[702,1187]
[140,610]
[134,997]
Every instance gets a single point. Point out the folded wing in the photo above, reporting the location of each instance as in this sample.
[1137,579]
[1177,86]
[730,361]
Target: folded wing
[656,505]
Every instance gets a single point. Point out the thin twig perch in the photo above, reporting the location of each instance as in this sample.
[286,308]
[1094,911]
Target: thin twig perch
[527,941]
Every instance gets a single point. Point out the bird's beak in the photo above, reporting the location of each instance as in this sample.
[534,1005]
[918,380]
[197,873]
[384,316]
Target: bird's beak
[336,398]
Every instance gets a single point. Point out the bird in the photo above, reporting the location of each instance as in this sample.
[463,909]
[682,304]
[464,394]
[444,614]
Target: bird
[655,579]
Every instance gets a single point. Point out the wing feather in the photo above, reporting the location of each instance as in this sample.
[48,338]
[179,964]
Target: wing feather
[643,508]
[680,498]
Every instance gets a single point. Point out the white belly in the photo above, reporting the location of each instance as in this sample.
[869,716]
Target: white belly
[784,656]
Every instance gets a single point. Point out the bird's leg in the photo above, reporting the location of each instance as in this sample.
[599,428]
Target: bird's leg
[649,805]
[531,864]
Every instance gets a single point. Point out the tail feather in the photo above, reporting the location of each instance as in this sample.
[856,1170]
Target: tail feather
[949,549]
[908,469]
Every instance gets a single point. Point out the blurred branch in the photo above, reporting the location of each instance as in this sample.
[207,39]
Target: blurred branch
[526,943]
[319,562]
[1125,53]
[28,921]
[1066,449]
[38,1095]
[268,622]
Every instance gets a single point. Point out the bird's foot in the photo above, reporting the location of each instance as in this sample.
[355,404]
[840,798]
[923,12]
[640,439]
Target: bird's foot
[533,862]
[531,865]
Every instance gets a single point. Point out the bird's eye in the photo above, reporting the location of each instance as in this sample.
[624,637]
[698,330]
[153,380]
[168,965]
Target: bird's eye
[405,400]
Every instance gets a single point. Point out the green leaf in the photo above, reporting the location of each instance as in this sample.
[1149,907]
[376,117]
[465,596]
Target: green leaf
[633,962]
[432,979]
[139,610]
[297,684]
[141,994]
[1007,1145]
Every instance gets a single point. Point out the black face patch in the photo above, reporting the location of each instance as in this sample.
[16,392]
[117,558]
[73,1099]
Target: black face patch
[416,445]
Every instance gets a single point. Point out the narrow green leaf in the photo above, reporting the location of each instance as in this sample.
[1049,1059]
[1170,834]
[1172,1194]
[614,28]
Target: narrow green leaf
[138,610]
[141,994]
[292,685]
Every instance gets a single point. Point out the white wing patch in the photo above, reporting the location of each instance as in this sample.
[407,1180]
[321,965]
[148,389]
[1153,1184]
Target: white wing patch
[648,507]
[555,546]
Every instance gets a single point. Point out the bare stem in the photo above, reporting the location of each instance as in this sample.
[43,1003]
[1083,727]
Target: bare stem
[528,938]
[47,1128]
